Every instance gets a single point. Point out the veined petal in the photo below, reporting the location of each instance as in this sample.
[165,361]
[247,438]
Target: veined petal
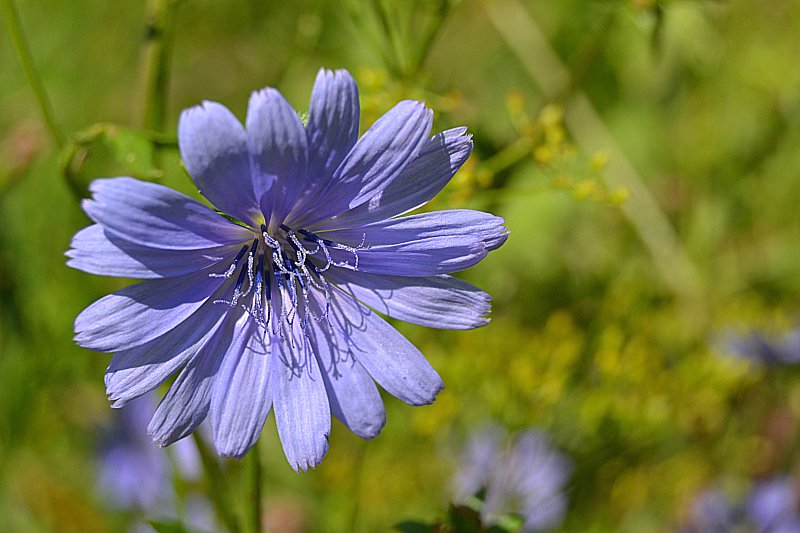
[353,396]
[390,358]
[449,223]
[331,132]
[300,401]
[242,396]
[141,369]
[153,215]
[187,402]
[424,257]
[213,146]
[379,155]
[137,314]
[438,160]
[96,251]
[279,153]
[436,301]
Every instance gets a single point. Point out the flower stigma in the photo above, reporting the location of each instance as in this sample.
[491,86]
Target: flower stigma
[282,274]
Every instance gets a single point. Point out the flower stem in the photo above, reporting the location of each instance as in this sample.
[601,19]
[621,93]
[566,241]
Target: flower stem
[218,489]
[357,483]
[25,58]
[160,19]
[253,496]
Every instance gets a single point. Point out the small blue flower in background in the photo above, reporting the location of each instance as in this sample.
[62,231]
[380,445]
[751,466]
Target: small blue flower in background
[771,506]
[524,476]
[278,310]
[133,475]
[711,511]
[769,350]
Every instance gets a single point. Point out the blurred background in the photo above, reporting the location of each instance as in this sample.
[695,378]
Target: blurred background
[645,154]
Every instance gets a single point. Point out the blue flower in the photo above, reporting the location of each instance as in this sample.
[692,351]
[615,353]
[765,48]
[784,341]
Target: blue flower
[770,350]
[274,305]
[773,505]
[770,506]
[134,475]
[711,511]
[526,478]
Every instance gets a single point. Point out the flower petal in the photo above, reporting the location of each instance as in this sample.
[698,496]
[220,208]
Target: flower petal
[353,396]
[438,160]
[300,402]
[187,402]
[153,215]
[141,369]
[424,257]
[390,358]
[97,251]
[213,146]
[379,155]
[331,132]
[436,301]
[449,223]
[137,314]
[242,397]
[278,147]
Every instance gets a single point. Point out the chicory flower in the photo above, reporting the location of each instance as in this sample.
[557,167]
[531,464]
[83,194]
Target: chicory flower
[272,302]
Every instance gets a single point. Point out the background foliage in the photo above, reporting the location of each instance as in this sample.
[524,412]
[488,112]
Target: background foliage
[637,238]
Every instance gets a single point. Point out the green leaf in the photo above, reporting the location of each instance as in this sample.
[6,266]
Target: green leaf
[108,150]
[410,526]
[464,519]
[169,526]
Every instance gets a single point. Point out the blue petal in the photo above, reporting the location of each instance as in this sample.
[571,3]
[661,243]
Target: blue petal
[96,251]
[438,160]
[300,402]
[141,369]
[277,144]
[353,396]
[140,313]
[436,301]
[332,131]
[449,223]
[242,397]
[390,358]
[480,458]
[424,257]
[213,145]
[153,215]
[377,158]
[187,402]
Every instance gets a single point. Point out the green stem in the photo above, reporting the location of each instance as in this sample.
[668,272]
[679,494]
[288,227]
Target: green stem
[218,489]
[253,492]
[430,33]
[510,155]
[394,41]
[358,480]
[25,59]
[160,19]
[370,29]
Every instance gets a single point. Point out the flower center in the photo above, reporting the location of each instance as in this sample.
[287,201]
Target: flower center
[281,277]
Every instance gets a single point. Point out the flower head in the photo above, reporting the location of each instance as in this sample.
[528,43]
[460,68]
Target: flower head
[770,505]
[133,474]
[274,306]
[773,505]
[525,478]
[711,511]
[767,349]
